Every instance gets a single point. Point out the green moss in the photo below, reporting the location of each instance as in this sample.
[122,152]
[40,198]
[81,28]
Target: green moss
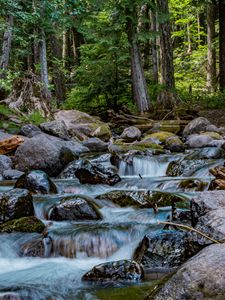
[26,224]
[140,146]
[162,136]
[214,135]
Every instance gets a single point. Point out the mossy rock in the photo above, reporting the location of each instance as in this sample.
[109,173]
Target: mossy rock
[173,126]
[162,136]
[26,224]
[140,146]
[141,199]
[193,184]
[213,135]
[102,131]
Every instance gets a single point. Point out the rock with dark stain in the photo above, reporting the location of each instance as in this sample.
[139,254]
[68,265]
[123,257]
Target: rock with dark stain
[123,270]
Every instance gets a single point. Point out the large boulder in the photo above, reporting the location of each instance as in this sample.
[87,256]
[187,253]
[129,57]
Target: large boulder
[131,134]
[74,209]
[201,277]
[5,163]
[165,249]
[82,125]
[15,204]
[69,170]
[56,128]
[184,167]
[37,182]
[95,173]
[123,270]
[46,153]
[95,145]
[25,224]
[197,125]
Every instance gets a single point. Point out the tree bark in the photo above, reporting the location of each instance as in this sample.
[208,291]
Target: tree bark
[44,65]
[78,40]
[222,43]
[138,79]
[211,33]
[58,76]
[6,46]
[154,47]
[166,45]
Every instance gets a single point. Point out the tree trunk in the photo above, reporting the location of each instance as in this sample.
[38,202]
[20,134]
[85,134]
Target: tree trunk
[65,48]
[166,45]
[44,65]
[58,76]
[138,79]
[78,40]
[154,47]
[211,67]
[222,43]
[6,46]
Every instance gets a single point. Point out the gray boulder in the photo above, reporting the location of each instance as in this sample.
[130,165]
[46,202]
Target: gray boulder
[47,153]
[15,204]
[131,134]
[196,126]
[95,145]
[57,128]
[201,277]
[123,270]
[199,141]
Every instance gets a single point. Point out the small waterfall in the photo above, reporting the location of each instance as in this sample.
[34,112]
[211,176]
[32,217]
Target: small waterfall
[151,166]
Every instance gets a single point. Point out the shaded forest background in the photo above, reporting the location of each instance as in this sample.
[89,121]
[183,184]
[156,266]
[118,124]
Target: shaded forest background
[117,54]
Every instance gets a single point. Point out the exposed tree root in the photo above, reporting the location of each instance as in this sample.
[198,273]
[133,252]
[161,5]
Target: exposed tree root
[29,95]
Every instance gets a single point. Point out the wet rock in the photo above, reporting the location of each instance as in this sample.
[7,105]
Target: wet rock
[207,153]
[12,174]
[46,153]
[30,130]
[15,204]
[74,208]
[9,296]
[123,270]
[5,163]
[95,145]
[193,184]
[140,199]
[198,141]
[56,128]
[184,167]
[95,173]
[69,171]
[201,277]
[36,247]
[165,249]
[26,224]
[131,134]
[196,126]
[37,182]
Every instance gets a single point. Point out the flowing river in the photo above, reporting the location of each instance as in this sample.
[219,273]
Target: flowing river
[78,246]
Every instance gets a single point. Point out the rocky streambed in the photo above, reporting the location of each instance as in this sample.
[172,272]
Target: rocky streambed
[79,224]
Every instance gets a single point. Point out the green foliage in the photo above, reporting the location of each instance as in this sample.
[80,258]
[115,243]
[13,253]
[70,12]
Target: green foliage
[35,118]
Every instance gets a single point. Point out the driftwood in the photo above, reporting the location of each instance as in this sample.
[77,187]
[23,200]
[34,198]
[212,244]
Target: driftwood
[28,95]
[190,229]
[11,144]
[126,119]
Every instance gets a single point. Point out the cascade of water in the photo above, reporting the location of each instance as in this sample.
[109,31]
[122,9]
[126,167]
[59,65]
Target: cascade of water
[151,166]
